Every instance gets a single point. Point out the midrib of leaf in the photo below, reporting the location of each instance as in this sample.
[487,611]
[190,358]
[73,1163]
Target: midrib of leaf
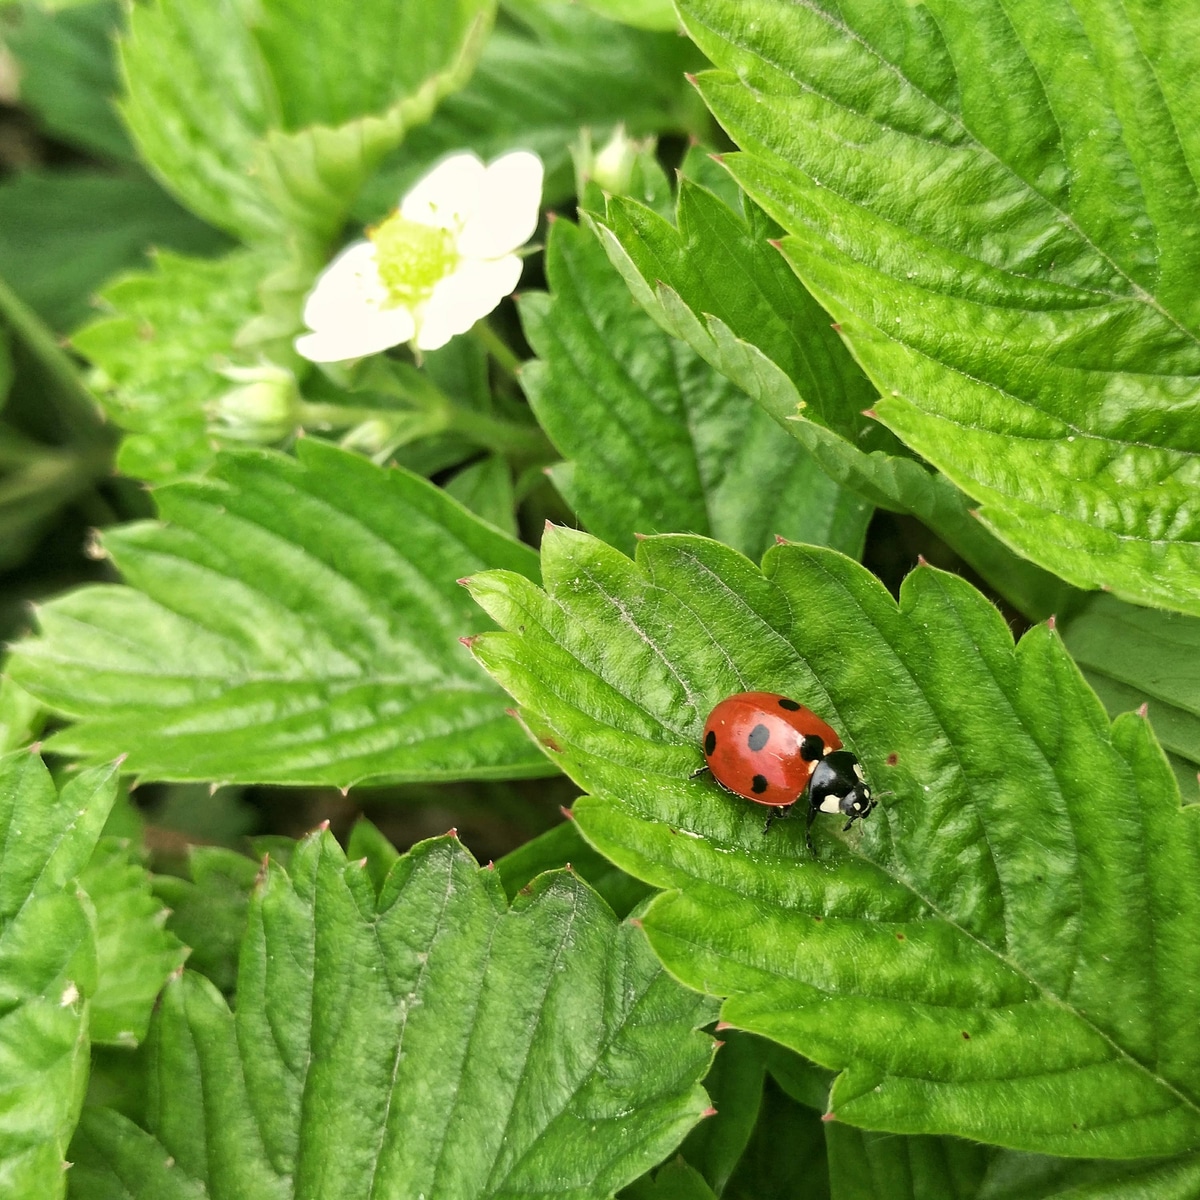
[558,953]
[1136,290]
[421,973]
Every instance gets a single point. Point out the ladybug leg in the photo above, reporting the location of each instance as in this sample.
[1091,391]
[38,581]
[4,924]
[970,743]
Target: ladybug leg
[808,824]
[775,814]
[700,771]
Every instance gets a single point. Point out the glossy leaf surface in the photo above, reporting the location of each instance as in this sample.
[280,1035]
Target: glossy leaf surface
[434,1041]
[998,203]
[291,621]
[1001,951]
[656,440]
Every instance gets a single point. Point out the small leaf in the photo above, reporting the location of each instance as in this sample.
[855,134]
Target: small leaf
[157,354]
[135,954]
[291,622]
[208,910]
[657,440]
[1001,951]
[676,1181]
[1135,656]
[433,1041]
[47,965]
[21,716]
[486,488]
[998,207]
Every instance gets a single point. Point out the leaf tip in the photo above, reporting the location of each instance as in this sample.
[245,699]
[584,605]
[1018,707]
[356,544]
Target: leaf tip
[870,414]
[465,581]
[640,537]
[828,1116]
[35,748]
[1052,622]
[1144,710]
[323,827]
[720,1026]
[566,812]
[836,327]
[360,862]
[636,922]
[780,540]
[567,867]
[708,1112]
[690,76]
[452,832]
[512,712]
[468,641]
[717,1044]
[491,865]
[551,216]
[775,243]
[922,561]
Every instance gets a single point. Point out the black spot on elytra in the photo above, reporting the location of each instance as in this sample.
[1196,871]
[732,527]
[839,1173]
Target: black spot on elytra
[758,784]
[790,705]
[811,749]
[710,741]
[759,736]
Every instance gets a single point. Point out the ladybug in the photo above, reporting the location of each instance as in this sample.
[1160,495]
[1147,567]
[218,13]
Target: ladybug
[769,749]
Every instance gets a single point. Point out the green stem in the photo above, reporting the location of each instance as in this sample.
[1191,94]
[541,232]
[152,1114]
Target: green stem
[495,346]
[505,437]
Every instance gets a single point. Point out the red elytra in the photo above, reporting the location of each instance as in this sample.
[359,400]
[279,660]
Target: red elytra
[754,746]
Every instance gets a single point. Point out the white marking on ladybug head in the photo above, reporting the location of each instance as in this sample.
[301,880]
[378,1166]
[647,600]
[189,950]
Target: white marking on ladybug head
[830,804]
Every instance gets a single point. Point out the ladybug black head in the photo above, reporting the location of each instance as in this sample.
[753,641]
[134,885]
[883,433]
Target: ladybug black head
[837,785]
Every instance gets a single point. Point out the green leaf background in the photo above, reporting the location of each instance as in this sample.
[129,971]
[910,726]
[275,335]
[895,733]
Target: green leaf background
[433,1041]
[1018,279]
[1001,952]
[294,621]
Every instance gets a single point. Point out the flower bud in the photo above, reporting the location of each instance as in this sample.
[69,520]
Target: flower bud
[263,408]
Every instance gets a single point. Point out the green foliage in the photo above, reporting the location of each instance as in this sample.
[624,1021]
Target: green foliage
[156,356]
[646,14]
[68,74]
[63,234]
[20,716]
[48,967]
[1001,951]
[656,440]
[414,1042]
[1135,656]
[291,622]
[542,77]
[134,953]
[715,280]
[267,119]
[1057,228]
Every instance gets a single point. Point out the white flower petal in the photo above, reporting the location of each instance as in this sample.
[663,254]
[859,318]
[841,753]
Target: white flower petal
[350,282]
[461,299]
[508,216]
[360,334]
[449,195]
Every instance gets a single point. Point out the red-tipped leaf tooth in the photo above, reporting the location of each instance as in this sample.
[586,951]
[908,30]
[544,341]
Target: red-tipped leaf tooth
[527,890]
[709,1112]
[640,537]
[451,832]
[775,243]
[345,791]
[836,327]
[636,922]
[828,1116]
[717,1044]
[512,712]
[491,865]
[465,581]
[1052,622]
[469,640]
[567,867]
[973,512]
[360,862]
[323,827]
[548,525]
[870,414]
[690,76]
[35,747]
[723,1025]
[922,561]
[1144,710]
[213,788]
[566,812]
[550,745]
[551,216]
[780,540]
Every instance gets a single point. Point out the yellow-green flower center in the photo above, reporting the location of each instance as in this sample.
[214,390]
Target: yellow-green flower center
[412,257]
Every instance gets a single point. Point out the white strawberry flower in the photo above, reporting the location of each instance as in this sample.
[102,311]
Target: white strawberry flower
[444,259]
